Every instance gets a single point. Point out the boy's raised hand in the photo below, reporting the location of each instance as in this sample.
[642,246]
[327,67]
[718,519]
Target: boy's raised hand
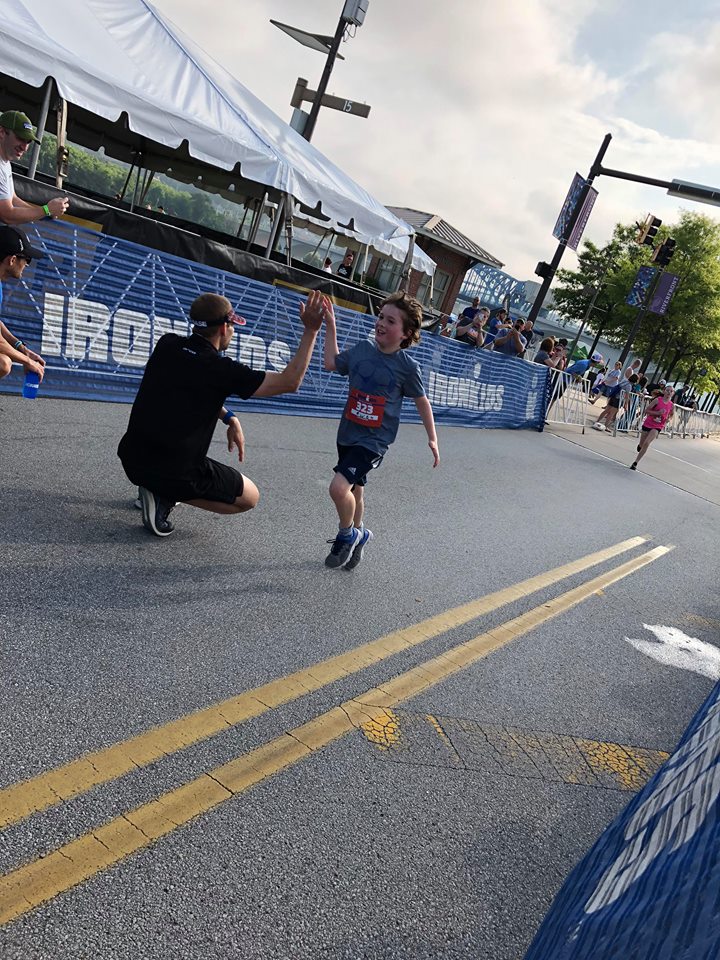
[314,311]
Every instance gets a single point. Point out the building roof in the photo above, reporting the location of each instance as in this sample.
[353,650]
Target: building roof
[433,226]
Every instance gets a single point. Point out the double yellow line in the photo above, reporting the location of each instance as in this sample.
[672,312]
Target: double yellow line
[39,881]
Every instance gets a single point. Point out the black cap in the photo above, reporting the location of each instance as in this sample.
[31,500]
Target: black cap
[14,242]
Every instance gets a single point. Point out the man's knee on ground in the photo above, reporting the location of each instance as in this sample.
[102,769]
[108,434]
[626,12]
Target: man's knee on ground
[249,499]
[5,366]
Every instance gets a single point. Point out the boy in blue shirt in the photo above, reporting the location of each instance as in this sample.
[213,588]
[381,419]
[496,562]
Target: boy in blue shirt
[380,374]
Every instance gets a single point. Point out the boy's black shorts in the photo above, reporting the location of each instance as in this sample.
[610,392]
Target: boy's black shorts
[209,481]
[355,463]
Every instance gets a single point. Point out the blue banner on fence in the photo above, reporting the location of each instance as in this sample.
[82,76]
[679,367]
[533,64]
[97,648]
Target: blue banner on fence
[96,306]
[649,888]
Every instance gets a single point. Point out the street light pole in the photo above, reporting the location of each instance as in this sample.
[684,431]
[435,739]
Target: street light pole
[574,217]
[322,86]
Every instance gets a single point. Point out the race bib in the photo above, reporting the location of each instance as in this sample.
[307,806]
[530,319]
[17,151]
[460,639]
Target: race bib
[365,409]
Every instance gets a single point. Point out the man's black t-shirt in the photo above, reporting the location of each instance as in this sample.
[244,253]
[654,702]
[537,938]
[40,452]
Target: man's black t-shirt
[185,385]
[344,271]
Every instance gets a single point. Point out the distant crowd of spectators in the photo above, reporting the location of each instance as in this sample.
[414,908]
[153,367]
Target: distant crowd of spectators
[480,327]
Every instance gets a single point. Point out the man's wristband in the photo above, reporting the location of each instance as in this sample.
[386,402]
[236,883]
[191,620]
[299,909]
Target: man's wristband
[46,210]
[228,417]
[18,344]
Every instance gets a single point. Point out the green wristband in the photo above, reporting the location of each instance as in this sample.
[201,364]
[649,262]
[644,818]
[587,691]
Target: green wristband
[46,210]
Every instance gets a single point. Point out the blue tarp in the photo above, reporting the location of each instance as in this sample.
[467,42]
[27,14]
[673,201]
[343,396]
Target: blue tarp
[97,305]
[650,887]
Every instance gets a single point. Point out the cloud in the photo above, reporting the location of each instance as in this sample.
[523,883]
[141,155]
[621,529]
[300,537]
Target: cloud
[482,112]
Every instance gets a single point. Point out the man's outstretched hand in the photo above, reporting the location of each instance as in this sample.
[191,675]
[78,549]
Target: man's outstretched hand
[314,312]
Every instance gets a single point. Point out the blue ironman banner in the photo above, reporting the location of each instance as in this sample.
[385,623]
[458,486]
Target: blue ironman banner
[650,887]
[96,305]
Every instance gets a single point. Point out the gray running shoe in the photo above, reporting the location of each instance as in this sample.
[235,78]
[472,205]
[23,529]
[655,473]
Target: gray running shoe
[341,549]
[356,555]
[155,513]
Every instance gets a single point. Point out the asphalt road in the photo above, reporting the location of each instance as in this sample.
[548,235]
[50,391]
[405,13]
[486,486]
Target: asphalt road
[434,817]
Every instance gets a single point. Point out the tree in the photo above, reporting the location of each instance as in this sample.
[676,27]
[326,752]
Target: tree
[689,333]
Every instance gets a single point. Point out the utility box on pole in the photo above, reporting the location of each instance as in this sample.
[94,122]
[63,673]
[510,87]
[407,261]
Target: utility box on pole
[354,11]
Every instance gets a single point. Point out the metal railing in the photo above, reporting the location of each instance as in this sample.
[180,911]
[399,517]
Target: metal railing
[684,421]
[568,399]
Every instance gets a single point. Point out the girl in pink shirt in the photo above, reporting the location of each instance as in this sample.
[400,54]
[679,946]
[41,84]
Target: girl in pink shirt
[657,415]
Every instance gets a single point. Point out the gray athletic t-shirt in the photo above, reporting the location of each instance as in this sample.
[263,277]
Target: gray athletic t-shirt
[378,383]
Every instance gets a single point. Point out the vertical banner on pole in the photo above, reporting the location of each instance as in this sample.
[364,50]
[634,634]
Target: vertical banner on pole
[639,290]
[663,293]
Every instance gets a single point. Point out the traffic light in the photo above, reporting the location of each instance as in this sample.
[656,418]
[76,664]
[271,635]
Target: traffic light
[648,229]
[664,253]
[542,269]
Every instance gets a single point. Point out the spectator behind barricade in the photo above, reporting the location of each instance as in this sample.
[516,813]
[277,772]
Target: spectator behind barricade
[327,265]
[657,389]
[471,332]
[16,135]
[496,323]
[15,254]
[559,354]
[634,368]
[528,332]
[544,354]
[511,342]
[580,367]
[611,380]
[615,399]
[595,375]
[346,267]
[562,345]
[640,386]
[471,312]
[447,325]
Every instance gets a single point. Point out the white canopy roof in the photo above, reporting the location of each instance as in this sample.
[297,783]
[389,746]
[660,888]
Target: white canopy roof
[115,57]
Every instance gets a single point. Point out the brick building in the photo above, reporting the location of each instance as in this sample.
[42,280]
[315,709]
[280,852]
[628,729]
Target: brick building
[453,252]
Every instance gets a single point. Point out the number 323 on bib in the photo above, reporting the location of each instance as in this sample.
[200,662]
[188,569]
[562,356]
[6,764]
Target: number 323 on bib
[364,408]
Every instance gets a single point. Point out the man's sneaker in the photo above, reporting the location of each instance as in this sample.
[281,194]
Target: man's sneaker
[341,549]
[633,466]
[356,555]
[599,426]
[155,513]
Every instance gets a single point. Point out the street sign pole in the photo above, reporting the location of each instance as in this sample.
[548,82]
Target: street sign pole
[322,86]
[555,262]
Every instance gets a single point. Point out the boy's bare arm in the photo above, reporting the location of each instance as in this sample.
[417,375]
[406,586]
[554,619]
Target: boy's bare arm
[330,347]
[426,415]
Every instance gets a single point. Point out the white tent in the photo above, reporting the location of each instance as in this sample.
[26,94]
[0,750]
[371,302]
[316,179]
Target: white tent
[132,78]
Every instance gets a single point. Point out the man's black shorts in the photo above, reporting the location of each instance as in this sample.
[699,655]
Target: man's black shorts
[354,463]
[210,481]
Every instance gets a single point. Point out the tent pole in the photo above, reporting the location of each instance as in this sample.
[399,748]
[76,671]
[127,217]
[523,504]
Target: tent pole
[62,151]
[149,174]
[127,180]
[407,264]
[279,213]
[289,204]
[255,225]
[41,128]
[242,222]
[364,266]
[134,201]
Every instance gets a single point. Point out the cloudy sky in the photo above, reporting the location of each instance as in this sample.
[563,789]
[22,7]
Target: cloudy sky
[482,110]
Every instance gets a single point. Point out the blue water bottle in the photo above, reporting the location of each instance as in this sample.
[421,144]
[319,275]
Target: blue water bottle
[31,385]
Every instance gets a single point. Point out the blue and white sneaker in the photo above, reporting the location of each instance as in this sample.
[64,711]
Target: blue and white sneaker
[356,556]
[341,549]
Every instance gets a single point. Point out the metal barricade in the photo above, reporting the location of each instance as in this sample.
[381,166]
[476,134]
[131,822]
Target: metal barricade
[568,399]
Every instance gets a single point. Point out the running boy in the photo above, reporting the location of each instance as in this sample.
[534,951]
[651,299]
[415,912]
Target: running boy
[380,375]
